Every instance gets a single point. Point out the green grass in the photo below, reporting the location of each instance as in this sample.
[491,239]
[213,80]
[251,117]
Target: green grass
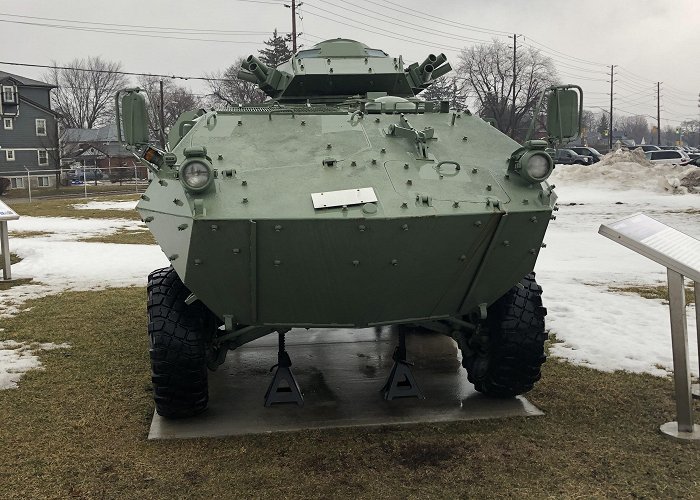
[6,285]
[29,234]
[125,236]
[73,190]
[653,292]
[64,208]
[78,429]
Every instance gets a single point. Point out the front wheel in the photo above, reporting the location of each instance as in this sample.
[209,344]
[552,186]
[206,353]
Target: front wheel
[178,337]
[504,358]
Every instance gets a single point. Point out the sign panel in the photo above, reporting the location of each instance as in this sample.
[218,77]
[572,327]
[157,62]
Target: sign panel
[658,242]
[6,213]
[344,197]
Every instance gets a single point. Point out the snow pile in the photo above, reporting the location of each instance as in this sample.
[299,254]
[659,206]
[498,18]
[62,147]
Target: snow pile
[691,180]
[17,358]
[106,205]
[625,175]
[625,156]
[58,262]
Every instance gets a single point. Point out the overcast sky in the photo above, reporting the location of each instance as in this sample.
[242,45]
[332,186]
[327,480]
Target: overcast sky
[649,40]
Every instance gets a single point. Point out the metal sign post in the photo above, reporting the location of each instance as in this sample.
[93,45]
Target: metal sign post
[680,254]
[6,213]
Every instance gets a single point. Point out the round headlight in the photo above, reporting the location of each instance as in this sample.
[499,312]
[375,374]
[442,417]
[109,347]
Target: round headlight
[196,175]
[536,166]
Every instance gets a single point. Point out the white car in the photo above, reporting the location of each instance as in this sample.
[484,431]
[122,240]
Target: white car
[667,156]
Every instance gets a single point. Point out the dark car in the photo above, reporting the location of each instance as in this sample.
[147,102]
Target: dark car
[645,147]
[85,174]
[592,153]
[570,157]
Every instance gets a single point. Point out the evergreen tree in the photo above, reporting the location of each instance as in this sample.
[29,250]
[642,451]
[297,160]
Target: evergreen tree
[277,50]
[603,124]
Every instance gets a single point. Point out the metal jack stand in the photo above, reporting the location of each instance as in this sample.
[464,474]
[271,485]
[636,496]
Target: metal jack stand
[401,383]
[284,387]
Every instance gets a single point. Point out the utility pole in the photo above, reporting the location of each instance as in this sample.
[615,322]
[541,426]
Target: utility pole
[658,113]
[294,6]
[294,26]
[515,57]
[610,131]
[162,117]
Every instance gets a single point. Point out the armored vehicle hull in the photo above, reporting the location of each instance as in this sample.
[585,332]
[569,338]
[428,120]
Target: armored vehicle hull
[344,202]
[429,242]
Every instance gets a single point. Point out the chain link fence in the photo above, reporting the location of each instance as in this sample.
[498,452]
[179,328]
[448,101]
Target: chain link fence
[76,182]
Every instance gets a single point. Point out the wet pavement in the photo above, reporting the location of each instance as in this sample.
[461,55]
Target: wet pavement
[341,373]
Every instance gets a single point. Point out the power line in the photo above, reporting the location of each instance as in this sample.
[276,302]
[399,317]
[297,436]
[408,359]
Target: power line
[115,31]
[149,28]
[573,58]
[417,41]
[119,72]
[410,25]
[625,70]
[436,19]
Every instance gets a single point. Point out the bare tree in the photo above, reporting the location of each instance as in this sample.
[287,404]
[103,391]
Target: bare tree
[488,72]
[176,100]
[633,127]
[588,124]
[84,97]
[227,89]
[691,133]
[452,89]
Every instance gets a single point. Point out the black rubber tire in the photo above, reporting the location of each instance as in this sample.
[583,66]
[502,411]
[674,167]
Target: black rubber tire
[508,363]
[177,347]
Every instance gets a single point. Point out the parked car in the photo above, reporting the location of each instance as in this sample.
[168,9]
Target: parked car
[592,153]
[668,156]
[569,157]
[646,147]
[85,174]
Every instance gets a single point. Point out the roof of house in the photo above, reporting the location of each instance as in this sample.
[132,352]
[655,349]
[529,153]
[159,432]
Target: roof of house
[37,105]
[108,133]
[98,150]
[23,80]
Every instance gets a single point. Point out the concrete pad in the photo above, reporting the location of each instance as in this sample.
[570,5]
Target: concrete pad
[340,373]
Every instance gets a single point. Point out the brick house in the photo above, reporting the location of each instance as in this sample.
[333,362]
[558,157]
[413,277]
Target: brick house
[29,132]
[99,148]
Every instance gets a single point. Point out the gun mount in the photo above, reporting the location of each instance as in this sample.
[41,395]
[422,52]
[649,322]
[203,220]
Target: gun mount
[334,70]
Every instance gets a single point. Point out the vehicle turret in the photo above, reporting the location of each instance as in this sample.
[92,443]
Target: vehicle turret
[334,70]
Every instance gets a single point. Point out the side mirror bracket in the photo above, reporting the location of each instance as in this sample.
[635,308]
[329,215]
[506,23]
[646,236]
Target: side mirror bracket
[564,113]
[132,117]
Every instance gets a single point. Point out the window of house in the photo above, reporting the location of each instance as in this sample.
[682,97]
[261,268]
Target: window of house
[10,154]
[8,93]
[43,181]
[7,123]
[40,126]
[43,156]
[17,182]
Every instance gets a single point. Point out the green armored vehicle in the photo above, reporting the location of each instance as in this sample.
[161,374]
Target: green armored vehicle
[344,201]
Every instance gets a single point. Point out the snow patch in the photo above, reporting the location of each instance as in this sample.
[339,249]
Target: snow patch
[106,205]
[17,358]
